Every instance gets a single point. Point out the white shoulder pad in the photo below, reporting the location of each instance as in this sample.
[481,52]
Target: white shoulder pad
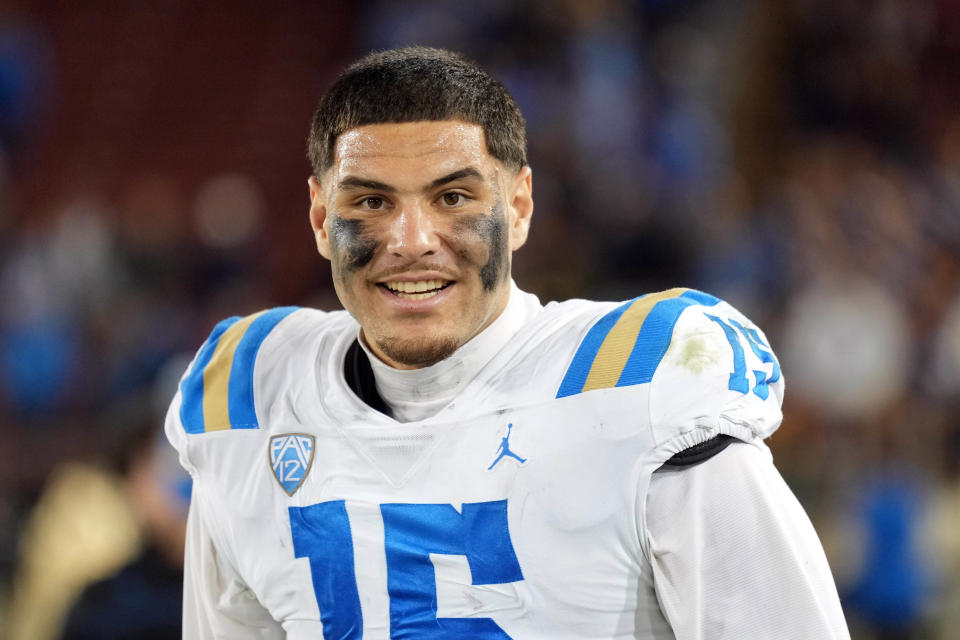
[706,369]
[717,376]
[625,346]
[216,392]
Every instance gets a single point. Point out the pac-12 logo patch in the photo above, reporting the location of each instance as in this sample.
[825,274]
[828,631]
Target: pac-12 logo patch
[291,456]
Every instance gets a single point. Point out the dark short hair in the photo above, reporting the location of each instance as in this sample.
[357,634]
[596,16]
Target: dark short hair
[415,84]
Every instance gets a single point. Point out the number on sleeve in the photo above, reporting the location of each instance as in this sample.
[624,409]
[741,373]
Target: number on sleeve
[738,379]
[758,347]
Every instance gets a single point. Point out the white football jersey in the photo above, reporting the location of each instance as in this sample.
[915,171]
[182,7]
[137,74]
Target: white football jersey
[517,511]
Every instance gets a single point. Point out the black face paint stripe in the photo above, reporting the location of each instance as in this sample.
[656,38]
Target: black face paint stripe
[492,229]
[348,237]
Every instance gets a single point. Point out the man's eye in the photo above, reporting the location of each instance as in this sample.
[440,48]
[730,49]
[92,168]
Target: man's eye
[373,203]
[452,199]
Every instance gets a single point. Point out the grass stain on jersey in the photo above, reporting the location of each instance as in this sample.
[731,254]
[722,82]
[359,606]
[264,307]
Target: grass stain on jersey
[692,353]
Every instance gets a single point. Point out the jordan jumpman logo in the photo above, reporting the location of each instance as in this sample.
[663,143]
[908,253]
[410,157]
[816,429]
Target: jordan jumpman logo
[504,449]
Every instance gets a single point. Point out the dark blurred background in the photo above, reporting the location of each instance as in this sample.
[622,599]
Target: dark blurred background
[800,158]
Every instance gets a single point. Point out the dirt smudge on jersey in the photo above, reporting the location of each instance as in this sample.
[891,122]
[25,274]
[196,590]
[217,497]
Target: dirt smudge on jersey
[692,352]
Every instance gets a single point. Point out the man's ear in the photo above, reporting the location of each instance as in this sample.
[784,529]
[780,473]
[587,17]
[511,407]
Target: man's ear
[520,207]
[318,217]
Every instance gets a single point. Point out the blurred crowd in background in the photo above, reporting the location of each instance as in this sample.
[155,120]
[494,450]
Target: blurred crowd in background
[800,158]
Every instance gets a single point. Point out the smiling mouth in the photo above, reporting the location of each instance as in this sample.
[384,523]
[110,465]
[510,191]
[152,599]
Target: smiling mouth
[419,290]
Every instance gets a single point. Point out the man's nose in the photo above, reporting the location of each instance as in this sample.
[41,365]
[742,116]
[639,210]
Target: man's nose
[412,232]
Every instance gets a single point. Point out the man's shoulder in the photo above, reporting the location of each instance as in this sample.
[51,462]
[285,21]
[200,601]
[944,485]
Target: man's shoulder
[703,369]
[621,344]
[218,390]
[578,346]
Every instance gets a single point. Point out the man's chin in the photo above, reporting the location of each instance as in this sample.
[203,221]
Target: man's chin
[407,353]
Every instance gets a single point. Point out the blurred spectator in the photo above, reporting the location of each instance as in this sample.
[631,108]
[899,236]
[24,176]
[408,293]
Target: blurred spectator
[848,347]
[144,598]
[943,541]
[39,337]
[25,68]
[944,376]
[102,553]
[82,530]
[890,594]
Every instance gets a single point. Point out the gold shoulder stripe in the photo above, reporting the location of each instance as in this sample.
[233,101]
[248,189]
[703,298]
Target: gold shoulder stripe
[616,348]
[216,377]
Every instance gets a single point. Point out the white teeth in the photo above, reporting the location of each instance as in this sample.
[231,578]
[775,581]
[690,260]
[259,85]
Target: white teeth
[418,287]
[417,296]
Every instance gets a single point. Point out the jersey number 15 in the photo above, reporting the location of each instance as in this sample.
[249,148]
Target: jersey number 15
[321,533]
[738,379]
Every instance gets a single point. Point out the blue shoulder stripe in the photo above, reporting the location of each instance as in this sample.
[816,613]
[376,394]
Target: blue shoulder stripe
[240,399]
[655,336]
[626,345]
[191,389]
[218,392]
[579,368]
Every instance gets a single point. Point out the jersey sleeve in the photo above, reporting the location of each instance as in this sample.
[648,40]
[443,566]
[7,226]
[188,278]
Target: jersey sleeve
[701,369]
[716,375]
[734,555]
[216,394]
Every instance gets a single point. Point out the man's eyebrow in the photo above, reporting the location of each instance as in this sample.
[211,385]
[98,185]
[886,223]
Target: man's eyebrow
[352,182]
[468,172]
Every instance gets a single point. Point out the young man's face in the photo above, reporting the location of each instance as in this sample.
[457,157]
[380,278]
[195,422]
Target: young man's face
[419,223]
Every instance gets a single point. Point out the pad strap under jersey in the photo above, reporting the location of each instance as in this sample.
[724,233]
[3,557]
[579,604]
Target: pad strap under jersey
[699,452]
[360,379]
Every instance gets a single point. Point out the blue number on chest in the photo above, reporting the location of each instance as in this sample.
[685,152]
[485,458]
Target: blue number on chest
[321,532]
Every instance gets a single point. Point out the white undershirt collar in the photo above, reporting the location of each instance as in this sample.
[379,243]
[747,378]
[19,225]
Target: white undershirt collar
[415,394]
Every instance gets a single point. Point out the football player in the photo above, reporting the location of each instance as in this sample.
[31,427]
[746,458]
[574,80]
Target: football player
[448,458]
